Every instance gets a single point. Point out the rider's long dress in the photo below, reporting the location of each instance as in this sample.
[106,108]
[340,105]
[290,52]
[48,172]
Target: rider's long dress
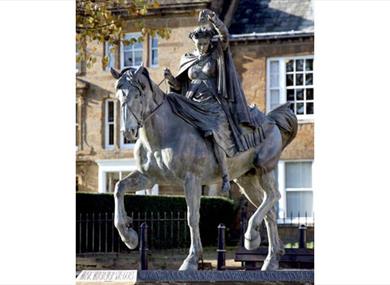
[200,105]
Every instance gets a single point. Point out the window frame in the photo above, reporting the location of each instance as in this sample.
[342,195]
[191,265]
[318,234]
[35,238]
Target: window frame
[111,56]
[112,165]
[282,84]
[122,50]
[151,51]
[282,215]
[119,165]
[124,145]
[106,125]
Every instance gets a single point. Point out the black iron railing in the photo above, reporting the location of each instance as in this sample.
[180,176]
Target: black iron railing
[95,232]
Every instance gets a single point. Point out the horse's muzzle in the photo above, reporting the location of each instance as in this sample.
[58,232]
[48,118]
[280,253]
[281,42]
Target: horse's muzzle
[131,134]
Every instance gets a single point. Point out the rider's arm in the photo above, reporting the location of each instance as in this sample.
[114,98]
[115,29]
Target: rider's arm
[174,84]
[221,29]
[172,81]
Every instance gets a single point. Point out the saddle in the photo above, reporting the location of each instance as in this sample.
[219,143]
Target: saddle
[252,137]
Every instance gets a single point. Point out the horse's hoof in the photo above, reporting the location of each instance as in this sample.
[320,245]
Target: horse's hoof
[253,242]
[187,266]
[270,265]
[132,239]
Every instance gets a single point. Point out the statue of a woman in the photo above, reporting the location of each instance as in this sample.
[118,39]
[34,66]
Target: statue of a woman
[213,100]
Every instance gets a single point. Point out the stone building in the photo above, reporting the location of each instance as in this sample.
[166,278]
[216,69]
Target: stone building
[272,43]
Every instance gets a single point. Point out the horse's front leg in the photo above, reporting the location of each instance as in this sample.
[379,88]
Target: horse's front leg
[193,191]
[131,183]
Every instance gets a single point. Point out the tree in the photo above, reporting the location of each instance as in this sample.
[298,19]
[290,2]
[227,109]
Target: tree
[103,21]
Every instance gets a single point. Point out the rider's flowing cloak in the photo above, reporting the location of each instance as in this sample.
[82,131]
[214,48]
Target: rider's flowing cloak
[229,94]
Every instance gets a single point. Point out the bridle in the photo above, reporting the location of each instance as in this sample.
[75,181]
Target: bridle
[141,121]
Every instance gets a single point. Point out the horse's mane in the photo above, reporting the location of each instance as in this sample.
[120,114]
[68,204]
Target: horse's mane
[132,70]
[144,71]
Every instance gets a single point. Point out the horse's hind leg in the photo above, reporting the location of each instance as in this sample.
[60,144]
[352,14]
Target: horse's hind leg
[250,187]
[275,245]
[133,182]
[193,192]
[254,189]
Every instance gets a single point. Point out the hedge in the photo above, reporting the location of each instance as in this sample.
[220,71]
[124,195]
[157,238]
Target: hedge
[213,210]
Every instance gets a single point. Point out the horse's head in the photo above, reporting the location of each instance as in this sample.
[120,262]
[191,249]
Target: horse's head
[132,87]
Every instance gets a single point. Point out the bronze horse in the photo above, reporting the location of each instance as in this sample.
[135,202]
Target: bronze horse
[169,151]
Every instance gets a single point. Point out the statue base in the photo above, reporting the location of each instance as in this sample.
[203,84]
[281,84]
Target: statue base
[129,277]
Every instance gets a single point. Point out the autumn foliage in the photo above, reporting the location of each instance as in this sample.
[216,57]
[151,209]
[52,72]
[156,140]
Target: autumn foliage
[104,21]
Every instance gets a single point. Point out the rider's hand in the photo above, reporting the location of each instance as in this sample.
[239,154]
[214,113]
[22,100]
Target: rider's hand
[167,73]
[211,16]
[207,16]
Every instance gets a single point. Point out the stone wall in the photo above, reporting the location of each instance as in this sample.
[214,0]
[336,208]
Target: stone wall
[100,87]
[251,62]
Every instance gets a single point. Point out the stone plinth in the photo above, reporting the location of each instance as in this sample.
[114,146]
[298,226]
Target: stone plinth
[128,277]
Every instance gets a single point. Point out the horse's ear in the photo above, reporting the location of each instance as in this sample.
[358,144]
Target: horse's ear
[139,70]
[115,73]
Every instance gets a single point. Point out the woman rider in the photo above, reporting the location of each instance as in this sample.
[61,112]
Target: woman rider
[213,100]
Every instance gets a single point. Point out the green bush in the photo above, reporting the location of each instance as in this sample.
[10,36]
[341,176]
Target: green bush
[213,210]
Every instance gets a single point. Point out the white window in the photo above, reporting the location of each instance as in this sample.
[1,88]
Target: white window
[111,128]
[153,191]
[113,170]
[153,51]
[290,79]
[109,52]
[110,124]
[295,186]
[131,55]
[112,178]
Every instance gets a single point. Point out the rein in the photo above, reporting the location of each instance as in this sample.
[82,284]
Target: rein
[142,120]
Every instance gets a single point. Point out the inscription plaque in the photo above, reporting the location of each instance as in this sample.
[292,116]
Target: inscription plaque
[89,277]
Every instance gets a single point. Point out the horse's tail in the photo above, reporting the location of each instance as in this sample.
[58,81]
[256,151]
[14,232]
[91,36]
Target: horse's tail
[286,121]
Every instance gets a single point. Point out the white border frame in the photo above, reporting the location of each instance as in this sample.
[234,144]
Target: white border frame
[78,125]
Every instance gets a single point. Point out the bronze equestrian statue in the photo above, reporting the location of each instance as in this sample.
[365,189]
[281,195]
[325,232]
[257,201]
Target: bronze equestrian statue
[200,131]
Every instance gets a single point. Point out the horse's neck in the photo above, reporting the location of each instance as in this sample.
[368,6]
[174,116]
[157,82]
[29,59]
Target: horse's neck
[155,129]
[158,113]
[157,98]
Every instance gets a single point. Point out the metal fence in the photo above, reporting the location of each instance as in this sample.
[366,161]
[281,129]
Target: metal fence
[290,219]
[96,232]
[297,218]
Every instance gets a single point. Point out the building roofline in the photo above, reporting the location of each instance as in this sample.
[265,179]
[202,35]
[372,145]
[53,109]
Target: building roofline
[270,36]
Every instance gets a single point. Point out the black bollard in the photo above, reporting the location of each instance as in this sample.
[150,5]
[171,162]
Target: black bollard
[221,247]
[302,236]
[143,247]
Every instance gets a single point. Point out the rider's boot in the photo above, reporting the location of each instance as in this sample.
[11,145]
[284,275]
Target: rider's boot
[221,159]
